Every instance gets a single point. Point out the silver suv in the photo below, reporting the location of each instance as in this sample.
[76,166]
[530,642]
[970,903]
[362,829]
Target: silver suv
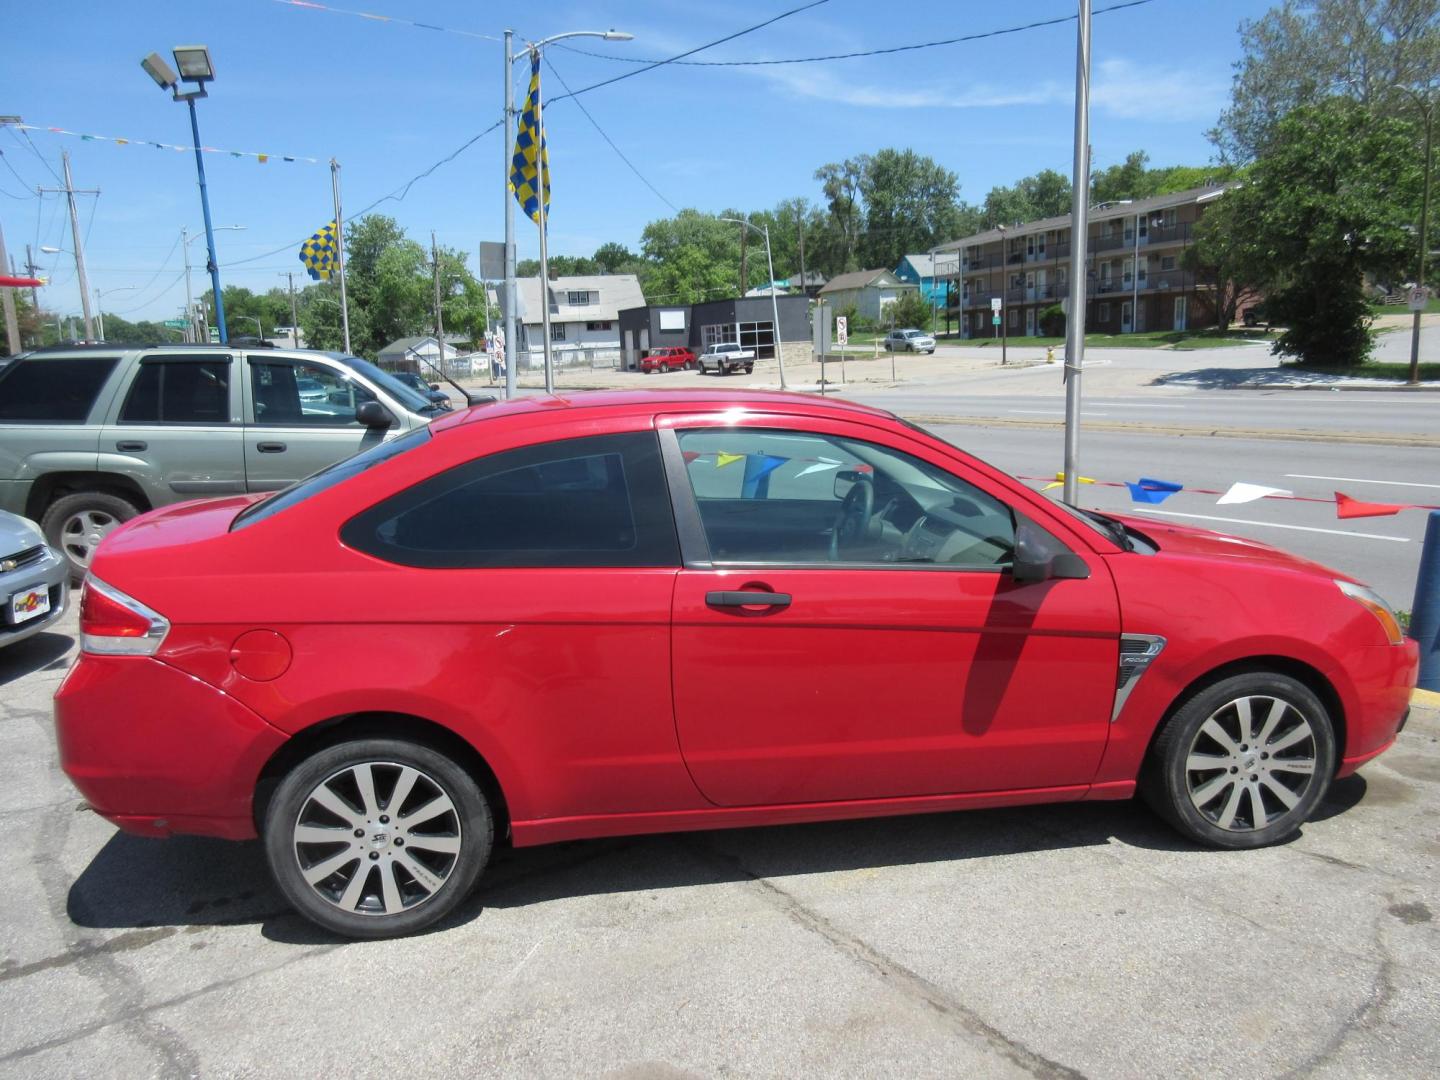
[91,436]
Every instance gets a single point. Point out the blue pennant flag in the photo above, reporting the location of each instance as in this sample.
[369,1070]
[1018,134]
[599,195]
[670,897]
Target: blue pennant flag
[1152,491]
[530,162]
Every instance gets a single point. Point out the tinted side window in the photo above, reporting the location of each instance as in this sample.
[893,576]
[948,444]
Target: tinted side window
[598,501]
[179,391]
[292,393]
[55,391]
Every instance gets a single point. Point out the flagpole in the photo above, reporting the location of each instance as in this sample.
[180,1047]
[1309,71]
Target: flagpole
[340,251]
[507,318]
[542,174]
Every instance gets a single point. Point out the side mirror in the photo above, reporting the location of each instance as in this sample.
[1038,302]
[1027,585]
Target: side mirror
[373,415]
[1040,557]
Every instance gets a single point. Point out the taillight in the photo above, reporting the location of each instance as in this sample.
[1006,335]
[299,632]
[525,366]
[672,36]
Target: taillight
[116,624]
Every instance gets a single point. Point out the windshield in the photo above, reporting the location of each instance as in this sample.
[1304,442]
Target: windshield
[410,399]
[329,477]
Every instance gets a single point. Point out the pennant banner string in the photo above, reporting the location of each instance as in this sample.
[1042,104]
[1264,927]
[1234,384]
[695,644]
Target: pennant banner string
[262,158]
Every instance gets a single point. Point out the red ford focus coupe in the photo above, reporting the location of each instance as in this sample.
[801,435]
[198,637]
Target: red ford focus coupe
[612,613]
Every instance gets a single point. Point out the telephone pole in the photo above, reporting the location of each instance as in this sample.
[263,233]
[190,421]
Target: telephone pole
[744,270]
[7,299]
[82,278]
[30,269]
[439,321]
[294,317]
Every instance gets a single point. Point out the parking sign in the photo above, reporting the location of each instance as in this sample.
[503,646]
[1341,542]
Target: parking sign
[842,330]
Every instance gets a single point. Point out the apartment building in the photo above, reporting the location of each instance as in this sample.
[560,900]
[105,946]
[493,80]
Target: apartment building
[1135,271]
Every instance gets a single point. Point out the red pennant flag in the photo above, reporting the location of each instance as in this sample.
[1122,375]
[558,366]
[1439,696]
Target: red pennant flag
[1346,507]
[689,455]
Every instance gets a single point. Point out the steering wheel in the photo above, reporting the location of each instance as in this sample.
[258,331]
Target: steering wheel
[852,522]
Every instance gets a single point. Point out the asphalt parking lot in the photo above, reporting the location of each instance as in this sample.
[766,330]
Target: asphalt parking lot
[1049,942]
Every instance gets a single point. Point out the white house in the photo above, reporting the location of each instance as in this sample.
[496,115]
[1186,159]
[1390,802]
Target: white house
[869,292]
[406,352]
[584,311]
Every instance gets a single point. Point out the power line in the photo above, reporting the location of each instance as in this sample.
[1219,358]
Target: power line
[651,65]
[36,151]
[150,300]
[1038,24]
[595,124]
[387,19]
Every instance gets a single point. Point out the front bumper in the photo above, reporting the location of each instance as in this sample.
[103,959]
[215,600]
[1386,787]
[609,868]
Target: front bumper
[158,751]
[51,572]
[1384,678]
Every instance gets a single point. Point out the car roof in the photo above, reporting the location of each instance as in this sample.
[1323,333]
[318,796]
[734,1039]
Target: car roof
[694,399]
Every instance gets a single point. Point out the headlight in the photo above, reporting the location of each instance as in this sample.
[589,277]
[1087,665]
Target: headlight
[1375,604]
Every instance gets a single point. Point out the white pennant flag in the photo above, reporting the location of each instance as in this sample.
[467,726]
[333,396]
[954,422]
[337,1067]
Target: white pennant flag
[1244,493]
[825,463]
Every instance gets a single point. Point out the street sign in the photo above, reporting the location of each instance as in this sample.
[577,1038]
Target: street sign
[176,324]
[492,260]
[994,320]
[214,335]
[820,332]
[842,329]
[995,306]
[1418,297]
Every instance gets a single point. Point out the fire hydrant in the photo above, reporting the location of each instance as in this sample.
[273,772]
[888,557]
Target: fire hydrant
[1049,354]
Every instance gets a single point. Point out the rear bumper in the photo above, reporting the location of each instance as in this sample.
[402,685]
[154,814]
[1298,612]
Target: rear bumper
[158,751]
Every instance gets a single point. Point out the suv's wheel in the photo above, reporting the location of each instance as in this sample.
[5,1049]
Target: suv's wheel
[1244,762]
[377,838]
[75,524]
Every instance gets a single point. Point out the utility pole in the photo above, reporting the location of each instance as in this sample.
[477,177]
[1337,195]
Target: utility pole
[1414,379]
[294,316]
[82,278]
[30,269]
[744,270]
[439,319]
[190,334]
[802,258]
[7,299]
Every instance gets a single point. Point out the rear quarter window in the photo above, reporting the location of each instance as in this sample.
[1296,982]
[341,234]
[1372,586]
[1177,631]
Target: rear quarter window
[52,390]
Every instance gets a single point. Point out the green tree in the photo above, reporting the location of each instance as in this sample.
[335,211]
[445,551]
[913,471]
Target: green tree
[1332,198]
[910,310]
[693,256]
[911,204]
[1303,51]
[844,185]
[1045,194]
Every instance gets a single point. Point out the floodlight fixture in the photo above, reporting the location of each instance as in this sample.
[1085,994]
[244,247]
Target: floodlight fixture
[194,63]
[156,67]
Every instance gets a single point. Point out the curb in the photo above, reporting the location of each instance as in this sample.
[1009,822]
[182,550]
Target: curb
[1430,699]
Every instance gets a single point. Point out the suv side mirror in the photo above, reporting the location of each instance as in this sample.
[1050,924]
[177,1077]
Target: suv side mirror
[373,415]
[1040,557]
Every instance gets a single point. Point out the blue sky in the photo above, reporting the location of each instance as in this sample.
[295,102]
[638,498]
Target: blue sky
[388,100]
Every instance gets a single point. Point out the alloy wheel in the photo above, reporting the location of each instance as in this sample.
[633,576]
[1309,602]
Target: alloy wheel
[1251,762]
[377,838]
[82,532]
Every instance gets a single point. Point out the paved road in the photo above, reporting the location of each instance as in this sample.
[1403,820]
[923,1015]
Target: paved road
[1043,942]
[1384,551]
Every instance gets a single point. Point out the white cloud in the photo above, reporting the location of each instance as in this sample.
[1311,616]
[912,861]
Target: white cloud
[1119,87]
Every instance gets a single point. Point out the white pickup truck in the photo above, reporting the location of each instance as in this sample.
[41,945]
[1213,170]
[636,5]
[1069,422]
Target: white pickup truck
[725,358]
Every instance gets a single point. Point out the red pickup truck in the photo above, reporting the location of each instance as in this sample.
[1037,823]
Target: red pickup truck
[668,359]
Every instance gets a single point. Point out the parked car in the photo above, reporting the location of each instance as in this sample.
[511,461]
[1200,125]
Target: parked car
[667,359]
[90,436]
[1257,314]
[34,580]
[910,340]
[725,358]
[429,390]
[430,647]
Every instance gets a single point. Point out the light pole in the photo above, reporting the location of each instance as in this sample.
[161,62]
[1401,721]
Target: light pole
[259,330]
[1427,108]
[195,67]
[185,239]
[100,311]
[774,302]
[534,48]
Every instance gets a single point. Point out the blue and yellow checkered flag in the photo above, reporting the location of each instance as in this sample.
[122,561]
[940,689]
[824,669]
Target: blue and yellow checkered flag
[530,145]
[319,254]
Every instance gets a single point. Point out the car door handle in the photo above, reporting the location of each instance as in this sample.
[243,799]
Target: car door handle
[747,599]
[270,447]
[132,446]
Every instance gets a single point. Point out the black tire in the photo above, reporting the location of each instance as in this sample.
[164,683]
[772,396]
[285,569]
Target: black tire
[1196,801]
[379,852]
[75,524]
[749,369]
